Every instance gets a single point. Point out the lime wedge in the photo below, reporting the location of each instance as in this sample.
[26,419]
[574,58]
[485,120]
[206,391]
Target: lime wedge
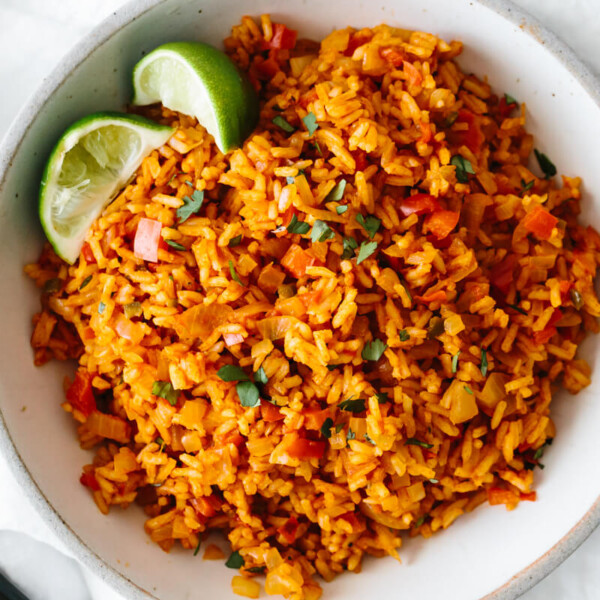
[200,81]
[92,161]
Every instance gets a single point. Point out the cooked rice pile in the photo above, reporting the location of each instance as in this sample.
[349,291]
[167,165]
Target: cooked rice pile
[410,344]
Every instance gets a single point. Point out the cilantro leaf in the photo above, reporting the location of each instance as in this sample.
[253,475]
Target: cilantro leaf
[468,389]
[198,546]
[463,167]
[232,373]
[310,120]
[339,427]
[484,362]
[373,350]
[404,335]
[85,282]
[321,232]
[337,193]
[283,124]
[257,570]
[527,186]
[365,250]
[353,406]
[350,435]
[260,376]
[235,561]
[234,275]
[235,241]
[350,245]
[340,210]
[297,226]
[416,442]
[165,389]
[190,206]
[175,245]
[455,362]
[371,224]
[326,427]
[546,165]
[248,394]
[318,148]
[368,438]
[509,99]
[383,397]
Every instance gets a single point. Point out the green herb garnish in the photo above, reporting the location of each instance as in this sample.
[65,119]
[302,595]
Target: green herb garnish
[283,124]
[85,282]
[368,438]
[321,232]
[350,245]
[365,250]
[326,427]
[484,362]
[235,561]
[416,442]
[340,210]
[518,309]
[101,307]
[525,187]
[339,427]
[420,520]
[234,275]
[546,165]
[248,394]
[232,373]
[260,376]
[463,167]
[455,362]
[198,546]
[53,285]
[297,226]
[373,350]
[257,570]
[190,206]
[165,389]
[350,435]
[353,406]
[468,389]
[235,241]
[383,397]
[318,148]
[332,367]
[404,335]
[371,224]
[175,245]
[337,193]
[509,99]
[310,120]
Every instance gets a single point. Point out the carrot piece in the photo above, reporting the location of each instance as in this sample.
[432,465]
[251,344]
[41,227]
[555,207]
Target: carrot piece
[147,238]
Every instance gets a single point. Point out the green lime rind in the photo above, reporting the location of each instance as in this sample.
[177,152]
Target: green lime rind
[94,159]
[201,81]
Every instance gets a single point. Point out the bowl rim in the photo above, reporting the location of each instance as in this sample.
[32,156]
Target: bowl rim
[121,17]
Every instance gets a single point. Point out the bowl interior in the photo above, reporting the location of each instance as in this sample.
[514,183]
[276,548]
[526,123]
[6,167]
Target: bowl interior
[483,550]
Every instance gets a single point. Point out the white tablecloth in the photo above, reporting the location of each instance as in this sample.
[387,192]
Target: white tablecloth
[35,35]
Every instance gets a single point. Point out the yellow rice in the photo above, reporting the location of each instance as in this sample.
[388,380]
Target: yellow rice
[452,433]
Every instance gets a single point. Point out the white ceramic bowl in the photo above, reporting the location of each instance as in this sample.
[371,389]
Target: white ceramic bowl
[490,553]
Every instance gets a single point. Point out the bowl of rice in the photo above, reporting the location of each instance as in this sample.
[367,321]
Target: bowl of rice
[362,352]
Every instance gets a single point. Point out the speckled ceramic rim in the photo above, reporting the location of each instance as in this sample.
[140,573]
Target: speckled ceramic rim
[517,584]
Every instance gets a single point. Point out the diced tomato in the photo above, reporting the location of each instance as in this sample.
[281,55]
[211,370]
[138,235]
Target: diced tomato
[314,418]
[296,260]
[360,158]
[500,496]
[543,336]
[147,237]
[412,74]
[304,449]
[288,214]
[283,38]
[540,223]
[80,395]
[356,40]
[418,203]
[87,254]
[230,437]
[267,68]
[472,138]
[310,298]
[289,530]
[502,274]
[394,56]
[505,108]
[530,497]
[207,506]
[270,413]
[89,480]
[442,222]
[439,296]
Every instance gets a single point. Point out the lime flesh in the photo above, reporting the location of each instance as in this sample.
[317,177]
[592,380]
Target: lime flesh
[92,161]
[201,81]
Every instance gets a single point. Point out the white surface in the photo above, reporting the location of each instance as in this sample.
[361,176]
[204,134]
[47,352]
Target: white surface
[36,34]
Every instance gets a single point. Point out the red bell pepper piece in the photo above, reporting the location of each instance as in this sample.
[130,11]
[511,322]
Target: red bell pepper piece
[540,223]
[147,238]
[270,413]
[289,530]
[268,67]
[442,222]
[355,41]
[296,260]
[87,254]
[283,38]
[80,395]
[89,480]
[502,275]
[419,204]
[304,449]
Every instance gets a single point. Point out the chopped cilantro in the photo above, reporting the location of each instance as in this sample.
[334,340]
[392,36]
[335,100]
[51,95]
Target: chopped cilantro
[297,226]
[318,148]
[340,210]
[518,309]
[310,120]
[525,187]
[248,394]
[416,442]
[175,245]
[463,167]
[546,165]
[257,570]
[350,435]
[509,99]
[235,241]
[326,427]
[190,206]
[337,193]
[404,335]
[353,406]
[198,546]
[468,390]
[260,376]
[339,427]
[383,397]
[350,245]
[283,124]
[52,285]
[371,224]
[420,520]
[455,362]
[373,350]
[235,561]
[234,275]
[332,367]
[368,438]
[232,373]
[165,389]
[321,232]
[365,250]
[85,282]
[484,362]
